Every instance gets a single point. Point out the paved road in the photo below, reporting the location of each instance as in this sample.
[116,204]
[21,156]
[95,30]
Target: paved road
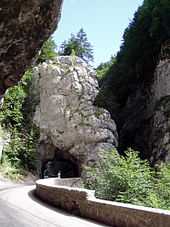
[19,208]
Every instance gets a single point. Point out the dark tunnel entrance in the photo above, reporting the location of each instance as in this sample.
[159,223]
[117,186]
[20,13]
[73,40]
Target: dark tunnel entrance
[63,165]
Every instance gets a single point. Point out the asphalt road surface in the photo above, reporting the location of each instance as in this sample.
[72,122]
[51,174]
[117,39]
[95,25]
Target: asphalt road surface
[19,208]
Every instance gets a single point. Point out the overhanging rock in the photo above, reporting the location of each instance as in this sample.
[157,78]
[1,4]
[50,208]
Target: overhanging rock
[24,26]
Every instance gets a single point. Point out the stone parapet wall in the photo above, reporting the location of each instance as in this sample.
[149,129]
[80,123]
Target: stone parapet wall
[69,182]
[82,202]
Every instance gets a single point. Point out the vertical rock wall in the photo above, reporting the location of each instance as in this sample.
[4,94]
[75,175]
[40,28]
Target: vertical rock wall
[146,117]
[159,141]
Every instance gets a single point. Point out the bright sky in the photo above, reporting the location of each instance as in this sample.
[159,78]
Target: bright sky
[104,22]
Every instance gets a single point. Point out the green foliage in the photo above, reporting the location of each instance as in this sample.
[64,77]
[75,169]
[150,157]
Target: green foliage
[10,171]
[21,150]
[11,114]
[16,117]
[48,51]
[139,53]
[80,45]
[161,193]
[103,68]
[129,179]
[122,178]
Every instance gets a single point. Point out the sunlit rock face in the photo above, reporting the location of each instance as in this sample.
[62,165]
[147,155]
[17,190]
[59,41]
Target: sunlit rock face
[71,127]
[24,26]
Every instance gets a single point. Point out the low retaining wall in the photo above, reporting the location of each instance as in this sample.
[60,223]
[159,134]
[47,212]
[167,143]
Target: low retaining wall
[83,202]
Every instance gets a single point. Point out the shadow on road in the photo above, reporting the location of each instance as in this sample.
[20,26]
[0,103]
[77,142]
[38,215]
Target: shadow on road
[32,195]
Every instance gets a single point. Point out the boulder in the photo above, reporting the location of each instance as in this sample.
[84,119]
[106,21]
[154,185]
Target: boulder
[72,129]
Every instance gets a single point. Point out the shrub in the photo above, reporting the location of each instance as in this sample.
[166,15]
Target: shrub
[129,179]
[20,152]
[161,188]
[16,118]
[10,171]
[139,54]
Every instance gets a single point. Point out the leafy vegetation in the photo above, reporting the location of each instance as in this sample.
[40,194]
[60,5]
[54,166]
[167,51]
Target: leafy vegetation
[16,117]
[139,52]
[102,70]
[79,45]
[10,171]
[20,152]
[129,179]
[48,51]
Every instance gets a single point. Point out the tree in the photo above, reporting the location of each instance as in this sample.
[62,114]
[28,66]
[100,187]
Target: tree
[139,53]
[103,68]
[16,117]
[48,51]
[129,179]
[79,45]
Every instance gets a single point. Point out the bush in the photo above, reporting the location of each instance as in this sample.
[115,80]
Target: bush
[139,53]
[10,171]
[161,192]
[129,179]
[102,70]
[16,117]
[20,152]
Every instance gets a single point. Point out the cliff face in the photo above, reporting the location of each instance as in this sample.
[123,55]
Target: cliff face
[73,132]
[159,140]
[24,26]
[133,122]
[144,122]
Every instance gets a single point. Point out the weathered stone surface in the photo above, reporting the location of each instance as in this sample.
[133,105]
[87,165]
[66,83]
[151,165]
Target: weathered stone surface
[70,124]
[83,202]
[133,123]
[145,119]
[159,140]
[24,26]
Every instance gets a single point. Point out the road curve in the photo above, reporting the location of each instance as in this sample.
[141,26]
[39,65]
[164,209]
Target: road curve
[19,208]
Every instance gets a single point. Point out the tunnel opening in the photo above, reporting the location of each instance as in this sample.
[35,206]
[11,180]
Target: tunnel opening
[63,165]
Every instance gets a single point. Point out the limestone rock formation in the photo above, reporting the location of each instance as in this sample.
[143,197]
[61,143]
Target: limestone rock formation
[72,130]
[144,122]
[24,26]
[159,140]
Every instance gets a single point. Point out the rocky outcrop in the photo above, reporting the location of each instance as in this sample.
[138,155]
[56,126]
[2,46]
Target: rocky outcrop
[159,140]
[73,131]
[24,26]
[144,122]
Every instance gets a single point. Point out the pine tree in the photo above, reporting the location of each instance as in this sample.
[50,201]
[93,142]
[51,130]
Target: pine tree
[79,43]
[48,51]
